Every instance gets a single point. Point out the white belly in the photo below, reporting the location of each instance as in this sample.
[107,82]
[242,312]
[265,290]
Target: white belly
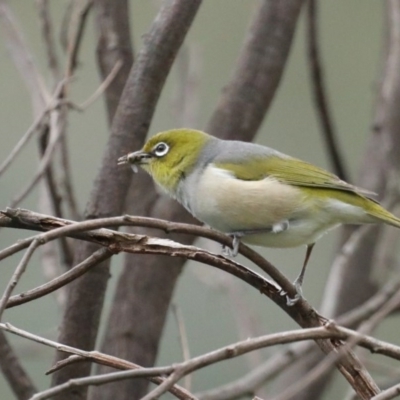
[231,205]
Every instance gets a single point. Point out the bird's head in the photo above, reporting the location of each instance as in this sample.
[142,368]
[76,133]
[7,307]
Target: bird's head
[169,156]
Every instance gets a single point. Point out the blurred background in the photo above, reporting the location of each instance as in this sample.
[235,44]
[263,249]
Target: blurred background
[351,39]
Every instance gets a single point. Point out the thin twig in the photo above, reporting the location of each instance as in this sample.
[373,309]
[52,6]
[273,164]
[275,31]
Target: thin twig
[22,58]
[48,38]
[243,347]
[17,274]
[56,283]
[56,134]
[103,86]
[94,356]
[50,202]
[75,42]
[31,130]
[319,92]
[250,382]
[103,379]
[72,47]
[183,341]
[388,394]
[181,369]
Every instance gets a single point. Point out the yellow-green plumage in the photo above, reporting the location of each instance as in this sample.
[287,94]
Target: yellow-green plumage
[169,170]
[315,182]
[270,198]
[255,193]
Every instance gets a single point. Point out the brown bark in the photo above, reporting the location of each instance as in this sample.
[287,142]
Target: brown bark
[14,373]
[79,326]
[113,44]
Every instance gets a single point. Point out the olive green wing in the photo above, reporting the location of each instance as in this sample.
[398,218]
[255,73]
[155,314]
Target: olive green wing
[288,170]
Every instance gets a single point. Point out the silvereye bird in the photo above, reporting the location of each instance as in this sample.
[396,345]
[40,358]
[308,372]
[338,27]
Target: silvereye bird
[252,192]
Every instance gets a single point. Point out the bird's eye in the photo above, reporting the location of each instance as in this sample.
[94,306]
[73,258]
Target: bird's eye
[161,149]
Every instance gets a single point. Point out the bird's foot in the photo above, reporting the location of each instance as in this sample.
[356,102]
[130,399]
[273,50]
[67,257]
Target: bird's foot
[232,252]
[291,301]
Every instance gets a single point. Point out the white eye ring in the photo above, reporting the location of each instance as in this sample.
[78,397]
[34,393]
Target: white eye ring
[161,149]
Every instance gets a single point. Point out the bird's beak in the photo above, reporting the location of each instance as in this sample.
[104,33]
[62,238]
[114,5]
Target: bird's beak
[134,159]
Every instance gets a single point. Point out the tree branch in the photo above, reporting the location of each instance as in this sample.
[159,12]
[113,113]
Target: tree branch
[16,376]
[320,95]
[133,115]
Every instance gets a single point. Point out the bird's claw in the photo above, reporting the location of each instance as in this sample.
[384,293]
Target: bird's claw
[291,301]
[232,252]
[123,160]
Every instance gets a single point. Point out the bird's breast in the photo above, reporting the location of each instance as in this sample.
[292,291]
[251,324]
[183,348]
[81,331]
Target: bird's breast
[230,204]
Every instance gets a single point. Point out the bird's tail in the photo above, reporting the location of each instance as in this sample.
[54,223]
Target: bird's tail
[378,212]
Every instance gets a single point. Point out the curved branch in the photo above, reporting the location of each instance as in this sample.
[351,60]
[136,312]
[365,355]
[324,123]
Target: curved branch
[320,95]
[301,312]
[75,272]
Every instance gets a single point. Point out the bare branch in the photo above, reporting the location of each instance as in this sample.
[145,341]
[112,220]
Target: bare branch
[320,95]
[17,274]
[262,59]
[186,367]
[250,382]
[82,10]
[57,227]
[31,130]
[56,283]
[243,347]
[183,340]
[97,380]
[94,356]
[113,45]
[48,38]
[104,85]
[379,167]
[22,58]
[388,394]
[13,371]
[133,115]
[56,132]
[301,311]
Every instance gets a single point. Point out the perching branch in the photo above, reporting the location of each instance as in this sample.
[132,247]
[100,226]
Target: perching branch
[301,312]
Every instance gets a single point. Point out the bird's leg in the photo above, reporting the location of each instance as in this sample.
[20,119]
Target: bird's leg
[236,236]
[299,280]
